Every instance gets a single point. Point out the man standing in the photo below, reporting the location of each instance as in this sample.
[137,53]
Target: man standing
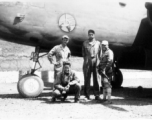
[90,51]
[61,53]
[105,70]
[66,82]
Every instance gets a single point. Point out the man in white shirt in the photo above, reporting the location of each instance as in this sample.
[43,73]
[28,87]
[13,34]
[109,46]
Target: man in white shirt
[61,53]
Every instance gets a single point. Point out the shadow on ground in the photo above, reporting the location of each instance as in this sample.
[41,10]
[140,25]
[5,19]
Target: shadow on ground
[120,96]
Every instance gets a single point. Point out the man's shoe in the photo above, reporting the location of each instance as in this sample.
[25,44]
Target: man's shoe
[76,101]
[104,100]
[97,98]
[88,97]
[64,98]
[53,99]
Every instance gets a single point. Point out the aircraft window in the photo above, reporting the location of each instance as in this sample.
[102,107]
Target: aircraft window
[67,23]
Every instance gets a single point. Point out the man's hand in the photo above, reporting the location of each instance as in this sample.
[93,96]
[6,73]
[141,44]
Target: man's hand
[54,62]
[63,92]
[66,88]
[102,71]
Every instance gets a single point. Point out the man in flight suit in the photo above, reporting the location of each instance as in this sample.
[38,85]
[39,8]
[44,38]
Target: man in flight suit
[61,53]
[105,70]
[90,53]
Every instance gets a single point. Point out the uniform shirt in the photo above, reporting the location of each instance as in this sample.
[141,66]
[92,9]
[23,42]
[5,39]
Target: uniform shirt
[61,54]
[107,58]
[63,80]
[91,49]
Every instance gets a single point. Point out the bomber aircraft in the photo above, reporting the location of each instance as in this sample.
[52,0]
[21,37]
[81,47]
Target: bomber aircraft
[126,24]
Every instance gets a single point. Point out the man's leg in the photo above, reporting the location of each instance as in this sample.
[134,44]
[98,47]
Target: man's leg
[75,89]
[65,95]
[84,75]
[96,86]
[87,77]
[55,94]
[107,89]
[56,72]
[109,93]
[104,94]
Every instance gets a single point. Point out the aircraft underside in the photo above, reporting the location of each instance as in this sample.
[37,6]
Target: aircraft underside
[43,26]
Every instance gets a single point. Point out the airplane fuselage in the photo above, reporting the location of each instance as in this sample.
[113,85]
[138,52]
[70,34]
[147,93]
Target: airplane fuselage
[43,23]
[124,24]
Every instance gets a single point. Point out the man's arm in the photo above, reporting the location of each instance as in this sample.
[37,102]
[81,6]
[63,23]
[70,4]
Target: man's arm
[83,51]
[100,51]
[99,54]
[69,55]
[109,59]
[51,54]
[74,80]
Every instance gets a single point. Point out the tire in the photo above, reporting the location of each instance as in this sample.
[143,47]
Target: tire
[30,86]
[117,79]
[18,88]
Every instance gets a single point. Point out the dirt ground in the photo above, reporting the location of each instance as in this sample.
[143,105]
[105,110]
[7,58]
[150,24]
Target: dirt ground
[129,102]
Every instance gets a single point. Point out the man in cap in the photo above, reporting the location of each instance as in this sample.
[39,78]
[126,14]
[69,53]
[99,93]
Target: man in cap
[66,82]
[105,70]
[61,53]
[91,51]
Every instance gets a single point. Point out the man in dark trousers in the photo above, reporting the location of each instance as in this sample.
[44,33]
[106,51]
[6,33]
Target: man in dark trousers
[90,52]
[66,82]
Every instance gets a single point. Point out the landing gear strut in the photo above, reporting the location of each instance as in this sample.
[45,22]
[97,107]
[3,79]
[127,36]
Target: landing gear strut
[30,85]
[117,77]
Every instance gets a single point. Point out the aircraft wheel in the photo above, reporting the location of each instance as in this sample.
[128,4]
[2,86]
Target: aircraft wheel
[117,79]
[30,86]
[18,88]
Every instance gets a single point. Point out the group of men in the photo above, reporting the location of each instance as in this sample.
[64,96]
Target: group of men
[98,59]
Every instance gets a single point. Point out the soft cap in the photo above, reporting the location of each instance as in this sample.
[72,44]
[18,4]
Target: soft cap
[104,42]
[65,36]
